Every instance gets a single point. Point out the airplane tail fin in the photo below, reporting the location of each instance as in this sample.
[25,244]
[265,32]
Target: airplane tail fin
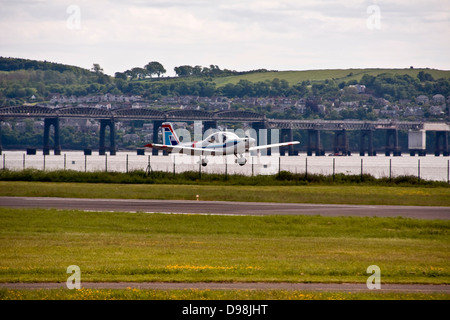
[169,136]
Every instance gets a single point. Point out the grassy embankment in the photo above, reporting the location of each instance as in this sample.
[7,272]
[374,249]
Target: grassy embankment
[38,245]
[297,76]
[294,77]
[294,194]
[285,187]
[138,294]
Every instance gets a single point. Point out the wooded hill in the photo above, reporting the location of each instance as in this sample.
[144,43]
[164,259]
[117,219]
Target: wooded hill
[20,79]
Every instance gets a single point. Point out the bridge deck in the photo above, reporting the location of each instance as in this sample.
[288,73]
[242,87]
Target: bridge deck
[199,115]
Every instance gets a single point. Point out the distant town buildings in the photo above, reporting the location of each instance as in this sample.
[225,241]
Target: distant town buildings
[415,107]
[359,88]
[108,97]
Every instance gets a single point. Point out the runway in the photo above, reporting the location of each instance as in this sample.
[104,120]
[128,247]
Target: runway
[227,207]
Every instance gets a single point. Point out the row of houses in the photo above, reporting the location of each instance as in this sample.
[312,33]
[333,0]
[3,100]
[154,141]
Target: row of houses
[108,97]
[413,111]
[110,101]
[219,101]
[416,107]
[138,101]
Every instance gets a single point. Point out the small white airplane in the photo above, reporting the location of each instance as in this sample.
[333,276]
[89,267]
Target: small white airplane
[219,143]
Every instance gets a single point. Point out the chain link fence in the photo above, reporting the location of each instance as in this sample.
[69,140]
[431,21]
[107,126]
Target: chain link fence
[426,168]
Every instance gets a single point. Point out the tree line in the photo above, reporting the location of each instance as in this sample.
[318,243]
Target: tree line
[26,78]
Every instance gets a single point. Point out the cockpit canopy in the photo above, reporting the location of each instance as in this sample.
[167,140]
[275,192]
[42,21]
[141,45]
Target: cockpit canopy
[221,137]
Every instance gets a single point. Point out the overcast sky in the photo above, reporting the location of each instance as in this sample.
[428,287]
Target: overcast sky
[233,34]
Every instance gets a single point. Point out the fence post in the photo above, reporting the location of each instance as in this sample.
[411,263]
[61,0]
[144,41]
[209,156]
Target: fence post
[148,170]
[306,168]
[85,163]
[127,162]
[64,162]
[4,161]
[390,170]
[448,171]
[44,161]
[173,157]
[361,169]
[106,162]
[333,167]
[279,166]
[418,171]
[24,161]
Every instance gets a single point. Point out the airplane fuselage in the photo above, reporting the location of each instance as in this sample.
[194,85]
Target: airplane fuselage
[218,143]
[234,146]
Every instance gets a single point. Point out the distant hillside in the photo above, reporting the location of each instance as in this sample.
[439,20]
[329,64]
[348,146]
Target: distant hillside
[23,80]
[294,77]
[14,64]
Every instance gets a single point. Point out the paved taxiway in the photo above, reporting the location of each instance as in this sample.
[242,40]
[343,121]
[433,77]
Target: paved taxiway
[226,208]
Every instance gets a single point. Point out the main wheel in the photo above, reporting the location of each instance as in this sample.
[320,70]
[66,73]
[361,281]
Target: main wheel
[241,161]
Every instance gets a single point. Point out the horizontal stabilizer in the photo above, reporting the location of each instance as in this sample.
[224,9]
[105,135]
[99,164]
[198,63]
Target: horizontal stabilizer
[184,150]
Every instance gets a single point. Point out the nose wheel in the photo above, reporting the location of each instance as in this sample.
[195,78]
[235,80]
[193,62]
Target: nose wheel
[241,160]
[203,162]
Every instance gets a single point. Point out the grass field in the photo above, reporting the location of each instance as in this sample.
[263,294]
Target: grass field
[137,294]
[38,245]
[338,194]
[294,77]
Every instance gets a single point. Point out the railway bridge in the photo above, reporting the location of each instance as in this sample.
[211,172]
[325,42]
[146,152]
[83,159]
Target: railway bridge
[259,122]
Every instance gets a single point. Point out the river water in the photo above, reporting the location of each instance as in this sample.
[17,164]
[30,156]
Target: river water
[429,167]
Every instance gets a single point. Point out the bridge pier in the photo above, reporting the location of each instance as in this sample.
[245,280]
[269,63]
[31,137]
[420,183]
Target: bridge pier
[392,134]
[441,144]
[57,146]
[261,137]
[209,125]
[112,137]
[341,142]
[417,142]
[317,148]
[287,135]
[156,126]
[366,134]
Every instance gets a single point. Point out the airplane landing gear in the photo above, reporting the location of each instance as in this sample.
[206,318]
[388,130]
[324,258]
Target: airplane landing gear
[241,160]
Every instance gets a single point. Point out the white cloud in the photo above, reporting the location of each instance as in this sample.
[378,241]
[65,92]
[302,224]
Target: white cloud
[242,35]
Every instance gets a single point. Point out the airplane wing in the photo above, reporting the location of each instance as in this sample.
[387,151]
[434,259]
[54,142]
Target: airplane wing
[267,146]
[183,149]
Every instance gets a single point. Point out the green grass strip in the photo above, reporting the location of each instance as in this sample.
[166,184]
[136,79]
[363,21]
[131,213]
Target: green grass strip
[193,294]
[38,245]
[344,194]
[283,178]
